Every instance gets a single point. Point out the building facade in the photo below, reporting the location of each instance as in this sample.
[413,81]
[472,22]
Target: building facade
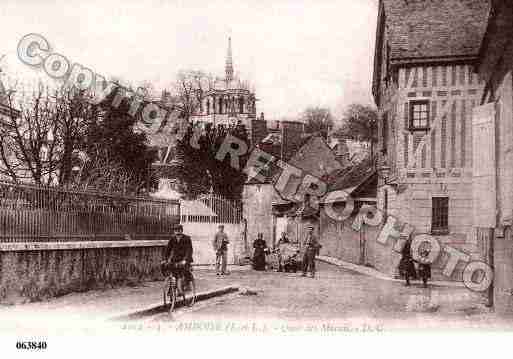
[495,115]
[269,211]
[425,88]
[230,100]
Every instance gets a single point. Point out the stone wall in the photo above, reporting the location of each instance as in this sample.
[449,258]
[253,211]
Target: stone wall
[202,235]
[496,69]
[503,274]
[257,210]
[414,207]
[340,240]
[36,271]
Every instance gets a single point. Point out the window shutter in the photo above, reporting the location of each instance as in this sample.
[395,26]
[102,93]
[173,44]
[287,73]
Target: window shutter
[483,170]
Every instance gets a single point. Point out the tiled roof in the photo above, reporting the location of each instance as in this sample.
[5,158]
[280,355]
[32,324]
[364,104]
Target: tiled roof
[435,28]
[273,169]
[352,176]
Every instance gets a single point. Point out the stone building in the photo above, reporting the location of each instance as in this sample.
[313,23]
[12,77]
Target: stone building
[258,195]
[230,101]
[425,88]
[494,118]
[337,236]
[270,212]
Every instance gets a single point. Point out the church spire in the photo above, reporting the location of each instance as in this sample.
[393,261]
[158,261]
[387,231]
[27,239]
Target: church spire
[229,62]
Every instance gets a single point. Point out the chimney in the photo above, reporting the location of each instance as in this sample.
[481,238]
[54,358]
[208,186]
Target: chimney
[258,131]
[292,137]
[342,152]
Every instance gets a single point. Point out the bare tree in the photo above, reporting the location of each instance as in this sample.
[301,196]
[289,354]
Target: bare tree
[73,114]
[317,120]
[189,89]
[29,151]
[107,175]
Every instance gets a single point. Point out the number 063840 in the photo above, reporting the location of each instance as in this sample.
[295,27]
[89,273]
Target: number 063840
[31,345]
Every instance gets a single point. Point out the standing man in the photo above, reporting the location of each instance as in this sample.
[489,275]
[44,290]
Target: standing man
[312,247]
[281,249]
[220,244]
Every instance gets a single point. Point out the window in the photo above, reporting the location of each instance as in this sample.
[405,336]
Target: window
[220,105]
[208,107]
[241,104]
[384,134]
[385,205]
[387,65]
[440,215]
[419,115]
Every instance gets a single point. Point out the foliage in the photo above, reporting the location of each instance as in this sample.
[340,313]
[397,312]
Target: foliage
[111,139]
[317,120]
[360,123]
[200,172]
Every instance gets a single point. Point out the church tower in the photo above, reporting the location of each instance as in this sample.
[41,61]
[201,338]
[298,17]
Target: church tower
[230,101]
[229,62]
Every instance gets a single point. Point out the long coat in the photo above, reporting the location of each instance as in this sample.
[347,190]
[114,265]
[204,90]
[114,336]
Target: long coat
[260,247]
[179,249]
[406,265]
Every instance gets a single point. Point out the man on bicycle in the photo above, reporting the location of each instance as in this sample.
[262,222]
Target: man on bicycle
[178,255]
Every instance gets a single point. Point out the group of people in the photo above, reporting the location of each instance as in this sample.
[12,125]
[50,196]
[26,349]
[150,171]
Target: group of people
[178,253]
[407,264]
[311,250]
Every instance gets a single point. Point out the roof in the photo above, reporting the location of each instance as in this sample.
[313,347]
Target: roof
[352,177]
[435,28]
[429,31]
[315,157]
[274,149]
[498,34]
[6,110]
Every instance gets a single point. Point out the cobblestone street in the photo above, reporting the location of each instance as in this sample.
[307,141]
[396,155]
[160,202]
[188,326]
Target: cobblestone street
[341,297]
[337,300]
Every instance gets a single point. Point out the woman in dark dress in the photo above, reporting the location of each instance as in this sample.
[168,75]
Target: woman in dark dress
[259,254]
[406,265]
[424,267]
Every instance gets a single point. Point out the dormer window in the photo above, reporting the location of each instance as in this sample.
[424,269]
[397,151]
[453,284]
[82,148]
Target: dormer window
[419,115]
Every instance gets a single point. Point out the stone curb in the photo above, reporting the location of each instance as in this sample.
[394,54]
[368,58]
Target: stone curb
[159,307]
[377,274]
[38,246]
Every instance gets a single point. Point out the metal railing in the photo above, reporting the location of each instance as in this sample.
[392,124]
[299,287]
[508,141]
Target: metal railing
[47,214]
[223,210]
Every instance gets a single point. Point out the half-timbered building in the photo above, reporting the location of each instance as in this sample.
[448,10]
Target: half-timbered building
[425,87]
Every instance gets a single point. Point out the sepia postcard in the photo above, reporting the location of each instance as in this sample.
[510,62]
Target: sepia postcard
[176,169]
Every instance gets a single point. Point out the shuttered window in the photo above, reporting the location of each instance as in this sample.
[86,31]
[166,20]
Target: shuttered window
[440,215]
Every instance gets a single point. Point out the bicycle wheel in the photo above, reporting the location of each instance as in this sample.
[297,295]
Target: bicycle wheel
[165,291]
[190,298]
[170,295]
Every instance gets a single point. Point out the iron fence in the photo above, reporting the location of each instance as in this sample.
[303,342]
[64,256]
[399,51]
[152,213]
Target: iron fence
[222,210]
[48,214]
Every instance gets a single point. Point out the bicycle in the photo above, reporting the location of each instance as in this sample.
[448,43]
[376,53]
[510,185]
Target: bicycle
[171,290]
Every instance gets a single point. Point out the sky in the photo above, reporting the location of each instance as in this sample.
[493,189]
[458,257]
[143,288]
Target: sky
[296,53]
